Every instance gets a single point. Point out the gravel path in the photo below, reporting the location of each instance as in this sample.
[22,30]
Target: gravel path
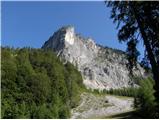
[96,106]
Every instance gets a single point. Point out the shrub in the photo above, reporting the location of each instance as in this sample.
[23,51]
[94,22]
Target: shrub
[145,101]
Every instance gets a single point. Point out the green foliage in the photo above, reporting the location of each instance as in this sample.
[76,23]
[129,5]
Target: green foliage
[144,97]
[145,101]
[74,83]
[138,21]
[35,84]
[133,19]
[130,92]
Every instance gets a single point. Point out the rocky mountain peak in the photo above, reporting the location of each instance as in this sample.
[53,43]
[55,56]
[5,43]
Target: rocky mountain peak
[101,67]
[61,38]
[69,34]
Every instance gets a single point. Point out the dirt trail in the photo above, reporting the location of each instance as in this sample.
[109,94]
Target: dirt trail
[98,106]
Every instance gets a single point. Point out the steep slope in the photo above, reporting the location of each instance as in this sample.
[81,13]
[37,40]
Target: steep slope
[36,85]
[101,67]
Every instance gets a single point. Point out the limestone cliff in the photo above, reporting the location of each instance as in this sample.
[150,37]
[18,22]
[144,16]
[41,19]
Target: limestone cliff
[101,67]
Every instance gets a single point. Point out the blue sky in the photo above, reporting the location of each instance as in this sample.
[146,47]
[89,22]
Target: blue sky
[32,23]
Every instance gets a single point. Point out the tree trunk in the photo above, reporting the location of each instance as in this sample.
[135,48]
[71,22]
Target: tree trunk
[154,64]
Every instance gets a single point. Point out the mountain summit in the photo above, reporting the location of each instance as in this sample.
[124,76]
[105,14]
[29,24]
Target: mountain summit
[101,67]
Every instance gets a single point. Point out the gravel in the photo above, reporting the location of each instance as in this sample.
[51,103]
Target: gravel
[98,106]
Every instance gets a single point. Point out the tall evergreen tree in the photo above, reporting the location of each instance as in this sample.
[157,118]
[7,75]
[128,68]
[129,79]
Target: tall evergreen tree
[139,21]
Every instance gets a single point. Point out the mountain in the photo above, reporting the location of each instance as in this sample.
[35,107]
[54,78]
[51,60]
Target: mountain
[101,67]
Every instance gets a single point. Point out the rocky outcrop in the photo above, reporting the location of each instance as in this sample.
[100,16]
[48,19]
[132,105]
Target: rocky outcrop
[101,67]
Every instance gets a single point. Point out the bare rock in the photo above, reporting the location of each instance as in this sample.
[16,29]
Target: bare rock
[101,67]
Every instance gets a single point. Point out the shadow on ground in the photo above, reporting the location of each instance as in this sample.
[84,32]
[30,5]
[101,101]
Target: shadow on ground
[126,115]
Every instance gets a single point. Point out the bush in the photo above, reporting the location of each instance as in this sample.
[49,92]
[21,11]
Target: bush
[145,101]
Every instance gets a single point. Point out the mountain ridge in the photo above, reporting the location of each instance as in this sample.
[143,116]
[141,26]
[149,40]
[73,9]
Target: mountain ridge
[79,35]
[101,67]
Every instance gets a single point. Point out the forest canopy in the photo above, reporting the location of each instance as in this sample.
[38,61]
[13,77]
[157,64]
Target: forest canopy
[35,84]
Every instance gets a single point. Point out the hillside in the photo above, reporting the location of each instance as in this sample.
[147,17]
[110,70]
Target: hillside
[51,82]
[35,84]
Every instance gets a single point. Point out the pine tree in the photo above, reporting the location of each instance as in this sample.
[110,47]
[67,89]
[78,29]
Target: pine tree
[139,21]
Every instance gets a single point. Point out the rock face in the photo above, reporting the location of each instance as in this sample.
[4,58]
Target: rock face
[101,67]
